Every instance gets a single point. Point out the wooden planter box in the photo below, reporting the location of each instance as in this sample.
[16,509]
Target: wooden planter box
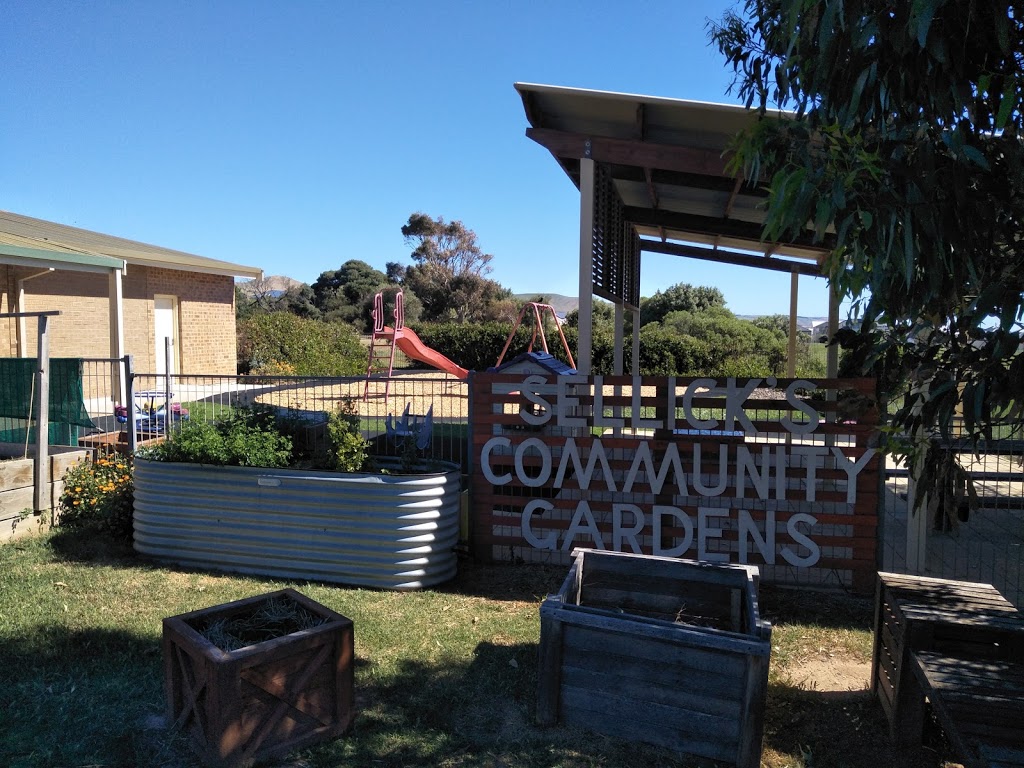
[660,650]
[918,613]
[17,485]
[265,699]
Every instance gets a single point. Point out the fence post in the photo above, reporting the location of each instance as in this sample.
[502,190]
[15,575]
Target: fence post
[168,356]
[129,376]
[42,474]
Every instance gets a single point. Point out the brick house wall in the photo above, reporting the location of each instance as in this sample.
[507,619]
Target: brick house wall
[206,315]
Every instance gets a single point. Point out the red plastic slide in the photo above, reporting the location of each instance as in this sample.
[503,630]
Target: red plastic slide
[407,341]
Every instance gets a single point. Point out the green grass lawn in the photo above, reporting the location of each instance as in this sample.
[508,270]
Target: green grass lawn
[444,677]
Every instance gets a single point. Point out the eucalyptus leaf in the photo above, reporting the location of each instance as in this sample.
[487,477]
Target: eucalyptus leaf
[914,153]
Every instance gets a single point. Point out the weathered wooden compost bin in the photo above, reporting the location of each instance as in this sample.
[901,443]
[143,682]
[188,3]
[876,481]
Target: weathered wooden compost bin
[665,651]
[265,699]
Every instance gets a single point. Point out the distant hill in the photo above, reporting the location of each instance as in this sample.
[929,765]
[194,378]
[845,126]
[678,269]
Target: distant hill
[563,304]
[274,285]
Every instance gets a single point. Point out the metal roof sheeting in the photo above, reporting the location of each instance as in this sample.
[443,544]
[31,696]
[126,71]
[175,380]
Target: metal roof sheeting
[668,160]
[57,259]
[27,232]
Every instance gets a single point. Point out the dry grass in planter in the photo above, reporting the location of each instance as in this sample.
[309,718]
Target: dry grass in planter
[275,617]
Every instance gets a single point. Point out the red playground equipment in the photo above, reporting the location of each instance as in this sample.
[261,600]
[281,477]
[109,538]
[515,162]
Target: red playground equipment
[538,328]
[385,339]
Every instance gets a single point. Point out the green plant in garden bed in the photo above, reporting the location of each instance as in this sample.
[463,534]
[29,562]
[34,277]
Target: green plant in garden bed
[204,410]
[98,495]
[246,437]
[348,451]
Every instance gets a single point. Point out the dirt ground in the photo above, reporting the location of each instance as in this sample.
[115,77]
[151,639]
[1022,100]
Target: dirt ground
[832,675]
[447,395]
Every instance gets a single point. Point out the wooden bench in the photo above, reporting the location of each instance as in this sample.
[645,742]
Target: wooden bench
[931,636]
[978,703]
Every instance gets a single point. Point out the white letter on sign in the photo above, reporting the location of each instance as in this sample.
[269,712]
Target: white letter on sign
[797,427]
[541,414]
[577,526]
[684,521]
[485,461]
[792,557]
[620,534]
[550,540]
[704,533]
[545,463]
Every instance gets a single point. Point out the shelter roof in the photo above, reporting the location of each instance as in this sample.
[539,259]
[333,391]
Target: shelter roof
[36,239]
[668,161]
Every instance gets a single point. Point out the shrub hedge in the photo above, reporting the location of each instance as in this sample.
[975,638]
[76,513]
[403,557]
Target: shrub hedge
[280,343]
[477,346]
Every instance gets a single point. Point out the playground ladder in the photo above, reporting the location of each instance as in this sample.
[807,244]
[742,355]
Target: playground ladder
[382,343]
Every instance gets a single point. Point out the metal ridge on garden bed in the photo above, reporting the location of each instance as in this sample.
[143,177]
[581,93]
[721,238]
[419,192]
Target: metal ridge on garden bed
[393,531]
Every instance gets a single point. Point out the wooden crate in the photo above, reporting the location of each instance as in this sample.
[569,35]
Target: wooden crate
[265,699]
[660,650]
[978,703]
[917,613]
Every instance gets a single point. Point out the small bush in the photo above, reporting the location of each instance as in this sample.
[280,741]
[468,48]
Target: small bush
[247,437]
[349,449]
[99,495]
[274,368]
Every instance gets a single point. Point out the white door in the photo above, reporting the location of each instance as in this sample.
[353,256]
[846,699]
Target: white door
[165,326]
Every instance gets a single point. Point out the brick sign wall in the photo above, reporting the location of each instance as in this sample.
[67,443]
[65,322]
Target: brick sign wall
[777,473]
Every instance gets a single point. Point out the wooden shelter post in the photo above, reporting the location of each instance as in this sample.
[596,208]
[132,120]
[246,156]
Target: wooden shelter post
[635,366]
[586,281]
[116,314]
[794,285]
[832,352]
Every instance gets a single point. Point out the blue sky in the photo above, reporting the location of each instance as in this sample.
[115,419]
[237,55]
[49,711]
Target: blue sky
[293,136]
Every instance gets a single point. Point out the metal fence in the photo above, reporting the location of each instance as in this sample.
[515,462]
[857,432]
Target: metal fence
[81,391]
[988,546]
[983,545]
[166,402]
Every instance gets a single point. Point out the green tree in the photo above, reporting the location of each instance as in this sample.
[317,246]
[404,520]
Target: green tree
[743,348]
[299,300]
[681,297]
[411,304]
[244,304]
[340,294]
[778,324]
[254,297]
[449,273]
[906,145]
[603,315]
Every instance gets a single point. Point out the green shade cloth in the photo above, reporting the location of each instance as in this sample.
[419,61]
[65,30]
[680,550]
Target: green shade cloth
[67,404]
